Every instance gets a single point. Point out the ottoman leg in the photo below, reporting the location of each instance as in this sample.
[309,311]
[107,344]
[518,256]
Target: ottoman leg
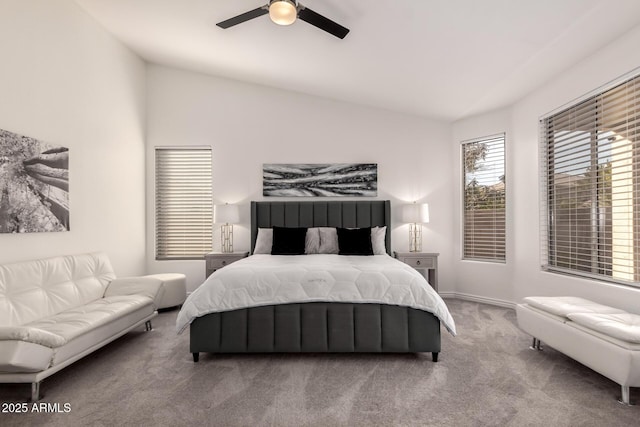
[536,345]
[625,399]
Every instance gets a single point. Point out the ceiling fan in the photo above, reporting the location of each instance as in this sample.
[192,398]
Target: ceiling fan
[285,12]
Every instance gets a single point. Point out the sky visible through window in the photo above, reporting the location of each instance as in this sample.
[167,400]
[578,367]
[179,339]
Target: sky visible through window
[571,158]
[490,170]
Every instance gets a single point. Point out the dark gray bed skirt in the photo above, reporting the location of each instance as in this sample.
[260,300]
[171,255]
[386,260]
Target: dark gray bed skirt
[317,327]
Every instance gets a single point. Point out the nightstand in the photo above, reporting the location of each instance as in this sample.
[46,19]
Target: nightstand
[216,260]
[422,261]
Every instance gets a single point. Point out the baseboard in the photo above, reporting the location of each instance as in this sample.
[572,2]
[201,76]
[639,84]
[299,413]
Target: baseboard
[477,298]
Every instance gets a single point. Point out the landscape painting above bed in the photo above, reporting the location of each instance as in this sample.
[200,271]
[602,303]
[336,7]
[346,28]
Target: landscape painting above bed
[320,179]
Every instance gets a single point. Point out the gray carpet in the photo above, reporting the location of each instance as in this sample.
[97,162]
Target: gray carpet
[486,376]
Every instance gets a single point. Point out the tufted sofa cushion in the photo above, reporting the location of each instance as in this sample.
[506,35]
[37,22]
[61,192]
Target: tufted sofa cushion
[39,289]
[57,330]
[31,334]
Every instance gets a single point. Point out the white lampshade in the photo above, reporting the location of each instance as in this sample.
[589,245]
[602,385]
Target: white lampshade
[226,214]
[417,213]
[283,12]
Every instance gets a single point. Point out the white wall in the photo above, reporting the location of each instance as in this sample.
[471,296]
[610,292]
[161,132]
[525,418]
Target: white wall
[522,275]
[65,81]
[473,279]
[248,125]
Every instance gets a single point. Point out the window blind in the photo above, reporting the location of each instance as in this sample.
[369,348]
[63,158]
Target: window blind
[484,194]
[590,160]
[183,203]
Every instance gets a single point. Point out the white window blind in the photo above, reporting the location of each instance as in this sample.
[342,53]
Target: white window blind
[484,194]
[590,157]
[184,203]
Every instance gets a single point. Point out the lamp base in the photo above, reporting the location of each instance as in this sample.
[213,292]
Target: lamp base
[226,238]
[415,237]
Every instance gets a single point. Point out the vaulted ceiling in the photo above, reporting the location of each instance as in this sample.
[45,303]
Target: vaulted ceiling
[442,59]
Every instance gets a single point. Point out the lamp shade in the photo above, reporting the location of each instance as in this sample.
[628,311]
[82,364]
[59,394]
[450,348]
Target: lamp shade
[226,214]
[415,213]
[283,12]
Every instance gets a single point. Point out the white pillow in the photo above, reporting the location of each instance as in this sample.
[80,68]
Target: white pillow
[312,241]
[264,241]
[378,235]
[328,240]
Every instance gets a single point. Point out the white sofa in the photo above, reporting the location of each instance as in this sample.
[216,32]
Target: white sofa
[603,338]
[55,311]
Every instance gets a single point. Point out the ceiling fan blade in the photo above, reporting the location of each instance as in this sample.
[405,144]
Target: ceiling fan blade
[321,22]
[263,10]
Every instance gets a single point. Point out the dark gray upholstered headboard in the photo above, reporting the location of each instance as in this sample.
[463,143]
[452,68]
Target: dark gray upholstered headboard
[365,213]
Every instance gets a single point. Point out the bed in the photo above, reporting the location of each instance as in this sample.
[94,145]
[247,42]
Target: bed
[279,303]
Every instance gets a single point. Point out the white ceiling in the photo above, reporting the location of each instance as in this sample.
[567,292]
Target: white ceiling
[443,59]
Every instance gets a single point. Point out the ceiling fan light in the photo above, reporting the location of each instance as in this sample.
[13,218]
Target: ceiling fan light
[283,12]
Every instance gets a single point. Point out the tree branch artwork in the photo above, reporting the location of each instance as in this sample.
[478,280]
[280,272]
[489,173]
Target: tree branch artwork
[320,179]
[34,185]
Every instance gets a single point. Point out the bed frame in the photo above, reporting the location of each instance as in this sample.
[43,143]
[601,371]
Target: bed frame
[318,326]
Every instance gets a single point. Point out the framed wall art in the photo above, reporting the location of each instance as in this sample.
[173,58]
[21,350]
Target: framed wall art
[34,185]
[320,179]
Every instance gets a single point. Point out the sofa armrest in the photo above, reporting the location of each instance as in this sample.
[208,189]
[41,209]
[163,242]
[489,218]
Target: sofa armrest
[147,286]
[32,335]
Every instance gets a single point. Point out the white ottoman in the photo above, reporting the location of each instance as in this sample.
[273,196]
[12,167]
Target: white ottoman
[175,289]
[603,338]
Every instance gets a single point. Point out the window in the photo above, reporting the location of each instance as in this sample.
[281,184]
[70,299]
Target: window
[183,203]
[484,197]
[591,186]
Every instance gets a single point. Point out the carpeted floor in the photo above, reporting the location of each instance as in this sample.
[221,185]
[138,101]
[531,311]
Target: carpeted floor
[486,376]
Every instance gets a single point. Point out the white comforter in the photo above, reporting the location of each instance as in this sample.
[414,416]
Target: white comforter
[277,279]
